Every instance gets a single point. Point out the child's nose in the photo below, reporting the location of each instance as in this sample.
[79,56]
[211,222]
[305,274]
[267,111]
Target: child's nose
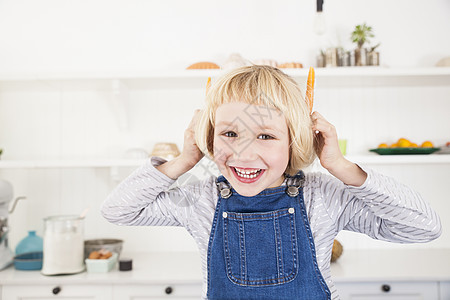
[245,152]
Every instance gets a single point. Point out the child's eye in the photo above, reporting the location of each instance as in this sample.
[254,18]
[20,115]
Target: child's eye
[230,134]
[266,137]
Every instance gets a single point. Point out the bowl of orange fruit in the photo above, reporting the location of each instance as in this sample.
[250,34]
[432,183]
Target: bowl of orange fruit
[404,146]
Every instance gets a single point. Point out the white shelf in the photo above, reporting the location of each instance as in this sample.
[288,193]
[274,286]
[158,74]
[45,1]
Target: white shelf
[196,79]
[376,159]
[80,163]
[108,163]
[204,74]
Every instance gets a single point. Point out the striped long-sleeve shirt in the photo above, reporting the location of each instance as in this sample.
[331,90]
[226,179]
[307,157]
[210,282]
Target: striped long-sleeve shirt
[382,208]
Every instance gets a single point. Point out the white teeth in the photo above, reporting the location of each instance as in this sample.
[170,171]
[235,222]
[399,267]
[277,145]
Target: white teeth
[247,174]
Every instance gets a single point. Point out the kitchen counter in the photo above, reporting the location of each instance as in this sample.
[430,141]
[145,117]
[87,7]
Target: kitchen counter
[185,268]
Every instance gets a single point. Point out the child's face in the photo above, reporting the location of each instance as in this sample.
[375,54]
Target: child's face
[254,139]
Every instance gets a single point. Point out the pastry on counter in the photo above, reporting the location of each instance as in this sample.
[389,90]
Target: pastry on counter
[203,65]
[101,254]
[292,65]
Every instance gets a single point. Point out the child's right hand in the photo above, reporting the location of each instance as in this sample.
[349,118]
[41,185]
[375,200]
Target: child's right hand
[191,154]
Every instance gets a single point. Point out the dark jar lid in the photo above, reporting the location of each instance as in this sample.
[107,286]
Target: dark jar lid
[125,264]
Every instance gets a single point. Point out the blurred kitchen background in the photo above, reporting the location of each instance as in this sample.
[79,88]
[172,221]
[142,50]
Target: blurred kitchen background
[87,86]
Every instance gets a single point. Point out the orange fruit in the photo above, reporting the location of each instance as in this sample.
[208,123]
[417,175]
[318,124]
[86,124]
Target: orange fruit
[403,143]
[413,145]
[383,145]
[427,144]
[395,145]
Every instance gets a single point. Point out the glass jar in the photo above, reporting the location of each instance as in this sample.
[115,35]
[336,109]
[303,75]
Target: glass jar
[63,245]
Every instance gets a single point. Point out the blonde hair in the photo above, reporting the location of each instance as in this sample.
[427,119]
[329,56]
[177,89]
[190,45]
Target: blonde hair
[268,86]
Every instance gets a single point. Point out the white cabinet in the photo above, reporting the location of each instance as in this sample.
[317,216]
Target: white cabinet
[156,292]
[102,292]
[444,290]
[52,292]
[389,290]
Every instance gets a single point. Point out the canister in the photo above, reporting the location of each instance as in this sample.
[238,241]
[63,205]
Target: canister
[63,245]
[331,57]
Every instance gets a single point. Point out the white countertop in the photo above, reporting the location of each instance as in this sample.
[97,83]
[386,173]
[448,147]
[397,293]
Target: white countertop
[185,268]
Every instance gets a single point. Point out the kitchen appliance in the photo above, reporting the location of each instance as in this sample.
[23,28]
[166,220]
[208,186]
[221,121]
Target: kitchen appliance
[63,245]
[6,195]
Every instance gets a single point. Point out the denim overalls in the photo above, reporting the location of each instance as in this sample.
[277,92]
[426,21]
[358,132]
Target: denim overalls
[261,247]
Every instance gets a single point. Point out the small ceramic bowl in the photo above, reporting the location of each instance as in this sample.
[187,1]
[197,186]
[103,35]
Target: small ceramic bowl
[28,261]
[101,265]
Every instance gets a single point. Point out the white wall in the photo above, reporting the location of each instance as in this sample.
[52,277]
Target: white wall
[65,35]
[52,120]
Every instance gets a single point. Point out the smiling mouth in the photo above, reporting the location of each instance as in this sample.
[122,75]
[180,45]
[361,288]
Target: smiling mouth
[247,175]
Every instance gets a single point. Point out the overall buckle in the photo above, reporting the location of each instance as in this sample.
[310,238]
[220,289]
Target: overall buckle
[292,191]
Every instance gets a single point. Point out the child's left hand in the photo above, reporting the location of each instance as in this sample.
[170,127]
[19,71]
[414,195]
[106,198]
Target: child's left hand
[327,148]
[326,142]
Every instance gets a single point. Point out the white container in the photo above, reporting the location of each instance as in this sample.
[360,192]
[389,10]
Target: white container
[63,245]
[101,265]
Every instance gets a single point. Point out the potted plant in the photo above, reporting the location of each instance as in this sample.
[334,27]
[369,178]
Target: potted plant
[360,36]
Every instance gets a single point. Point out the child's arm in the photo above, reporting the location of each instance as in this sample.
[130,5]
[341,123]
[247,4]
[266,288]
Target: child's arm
[368,202]
[330,156]
[145,197]
[381,208]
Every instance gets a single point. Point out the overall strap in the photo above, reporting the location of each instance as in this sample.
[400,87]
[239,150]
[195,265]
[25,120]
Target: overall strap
[294,183]
[223,186]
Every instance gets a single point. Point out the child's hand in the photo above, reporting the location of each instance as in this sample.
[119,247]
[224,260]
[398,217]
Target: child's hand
[326,142]
[327,149]
[191,154]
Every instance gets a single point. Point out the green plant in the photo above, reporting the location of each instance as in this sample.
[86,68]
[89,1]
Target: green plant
[362,34]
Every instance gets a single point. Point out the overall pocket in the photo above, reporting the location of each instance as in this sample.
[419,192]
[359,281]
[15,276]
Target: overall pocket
[260,248]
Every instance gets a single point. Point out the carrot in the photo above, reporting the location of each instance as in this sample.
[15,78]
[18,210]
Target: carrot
[208,84]
[310,89]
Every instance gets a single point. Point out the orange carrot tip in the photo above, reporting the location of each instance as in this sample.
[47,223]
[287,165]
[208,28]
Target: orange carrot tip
[310,89]
[208,84]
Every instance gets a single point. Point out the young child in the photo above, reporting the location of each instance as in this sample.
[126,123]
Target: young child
[264,229]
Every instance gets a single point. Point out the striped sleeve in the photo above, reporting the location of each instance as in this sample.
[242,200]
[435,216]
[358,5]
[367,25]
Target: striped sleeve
[382,208]
[145,198]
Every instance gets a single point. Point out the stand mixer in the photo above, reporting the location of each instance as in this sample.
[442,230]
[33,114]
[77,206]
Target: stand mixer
[6,195]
